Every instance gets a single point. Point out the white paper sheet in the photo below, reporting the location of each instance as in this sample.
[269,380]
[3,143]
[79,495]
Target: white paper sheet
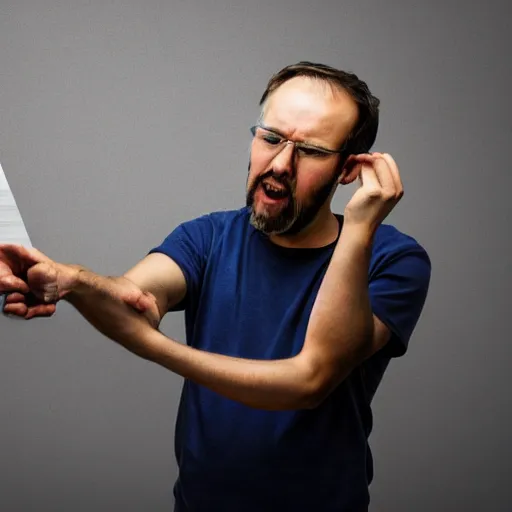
[12,228]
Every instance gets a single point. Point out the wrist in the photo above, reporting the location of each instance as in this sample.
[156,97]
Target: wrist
[71,280]
[357,233]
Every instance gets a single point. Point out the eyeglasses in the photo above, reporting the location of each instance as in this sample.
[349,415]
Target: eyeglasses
[275,141]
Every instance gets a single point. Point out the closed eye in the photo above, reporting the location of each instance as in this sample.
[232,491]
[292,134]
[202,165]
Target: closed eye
[274,140]
[313,152]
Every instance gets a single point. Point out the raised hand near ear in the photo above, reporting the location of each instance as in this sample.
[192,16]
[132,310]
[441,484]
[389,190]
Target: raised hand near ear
[379,191]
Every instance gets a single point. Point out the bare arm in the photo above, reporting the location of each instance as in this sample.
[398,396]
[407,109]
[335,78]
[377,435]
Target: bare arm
[119,307]
[342,332]
[162,277]
[33,284]
[128,310]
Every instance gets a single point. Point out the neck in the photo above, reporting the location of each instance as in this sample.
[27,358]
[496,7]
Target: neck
[321,232]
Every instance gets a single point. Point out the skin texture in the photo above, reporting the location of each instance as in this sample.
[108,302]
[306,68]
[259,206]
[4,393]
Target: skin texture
[342,330]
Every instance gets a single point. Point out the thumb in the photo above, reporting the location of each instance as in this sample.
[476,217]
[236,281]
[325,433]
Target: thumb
[42,279]
[37,256]
[140,301]
[131,294]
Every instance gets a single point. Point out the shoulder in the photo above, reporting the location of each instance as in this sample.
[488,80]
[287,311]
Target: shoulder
[397,253]
[192,242]
[399,279]
[202,231]
[215,224]
[222,219]
[219,219]
[389,237]
[390,243]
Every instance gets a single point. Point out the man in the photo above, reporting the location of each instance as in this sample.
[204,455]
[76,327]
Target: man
[292,312]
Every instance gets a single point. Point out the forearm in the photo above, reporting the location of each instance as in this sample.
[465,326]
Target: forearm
[340,328]
[99,299]
[339,332]
[278,384]
[263,384]
[339,335]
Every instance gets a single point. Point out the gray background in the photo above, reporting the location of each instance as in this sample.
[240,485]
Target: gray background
[120,119]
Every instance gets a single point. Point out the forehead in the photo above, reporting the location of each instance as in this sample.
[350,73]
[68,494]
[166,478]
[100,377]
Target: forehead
[312,110]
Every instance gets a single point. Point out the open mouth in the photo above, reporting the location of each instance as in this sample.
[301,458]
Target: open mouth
[275,192]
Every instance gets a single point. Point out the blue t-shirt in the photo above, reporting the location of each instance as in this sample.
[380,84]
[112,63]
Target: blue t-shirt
[248,297]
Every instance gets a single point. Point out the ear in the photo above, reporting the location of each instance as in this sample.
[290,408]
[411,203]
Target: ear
[350,172]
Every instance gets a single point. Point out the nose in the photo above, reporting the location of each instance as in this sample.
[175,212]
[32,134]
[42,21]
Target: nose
[284,161]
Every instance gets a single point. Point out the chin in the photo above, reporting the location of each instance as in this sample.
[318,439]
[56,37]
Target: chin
[270,224]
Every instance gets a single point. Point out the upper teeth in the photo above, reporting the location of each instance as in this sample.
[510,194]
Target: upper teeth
[272,187]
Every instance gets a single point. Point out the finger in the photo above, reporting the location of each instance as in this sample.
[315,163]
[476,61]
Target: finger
[18,309]
[15,253]
[368,178]
[358,158]
[138,300]
[361,157]
[11,283]
[13,298]
[395,173]
[350,163]
[37,256]
[350,173]
[352,166]
[41,310]
[147,301]
[385,176]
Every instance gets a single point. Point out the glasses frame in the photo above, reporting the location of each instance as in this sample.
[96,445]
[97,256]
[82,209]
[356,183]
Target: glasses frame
[297,144]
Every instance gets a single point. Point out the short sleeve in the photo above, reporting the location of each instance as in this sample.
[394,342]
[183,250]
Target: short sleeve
[398,286]
[189,246]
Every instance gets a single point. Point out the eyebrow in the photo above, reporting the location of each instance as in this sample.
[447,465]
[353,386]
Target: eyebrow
[305,143]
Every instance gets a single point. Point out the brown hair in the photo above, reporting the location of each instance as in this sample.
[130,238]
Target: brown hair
[365,132]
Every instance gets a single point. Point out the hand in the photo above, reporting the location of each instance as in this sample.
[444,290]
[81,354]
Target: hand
[34,284]
[32,281]
[381,189]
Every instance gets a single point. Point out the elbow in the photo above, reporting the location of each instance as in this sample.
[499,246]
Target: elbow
[319,377]
[316,385]
[314,393]
[312,398]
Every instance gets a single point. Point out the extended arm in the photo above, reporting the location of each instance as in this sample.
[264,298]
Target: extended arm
[342,331]
[122,308]
[116,306]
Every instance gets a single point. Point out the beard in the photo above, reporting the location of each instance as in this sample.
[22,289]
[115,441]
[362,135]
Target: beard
[294,216]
